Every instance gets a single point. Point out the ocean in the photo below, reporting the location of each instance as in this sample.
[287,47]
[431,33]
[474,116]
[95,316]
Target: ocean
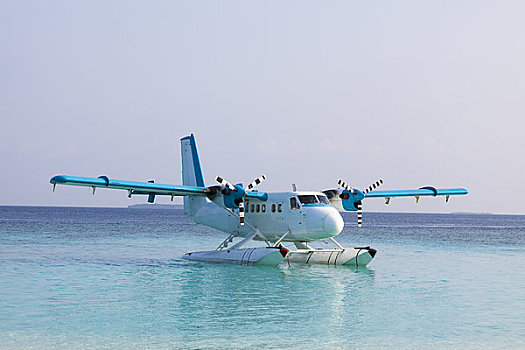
[113,278]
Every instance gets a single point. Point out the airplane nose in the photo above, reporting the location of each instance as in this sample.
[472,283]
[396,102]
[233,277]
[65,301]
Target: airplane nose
[333,223]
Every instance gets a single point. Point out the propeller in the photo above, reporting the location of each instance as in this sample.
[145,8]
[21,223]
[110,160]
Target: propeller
[234,194]
[226,184]
[360,204]
[373,186]
[256,182]
[346,186]
[352,198]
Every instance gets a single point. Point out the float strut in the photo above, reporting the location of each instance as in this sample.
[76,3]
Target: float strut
[281,239]
[336,243]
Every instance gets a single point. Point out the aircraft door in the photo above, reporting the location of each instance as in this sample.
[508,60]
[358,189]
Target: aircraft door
[297,217]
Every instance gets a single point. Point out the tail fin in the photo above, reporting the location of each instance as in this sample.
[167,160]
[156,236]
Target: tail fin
[191,174]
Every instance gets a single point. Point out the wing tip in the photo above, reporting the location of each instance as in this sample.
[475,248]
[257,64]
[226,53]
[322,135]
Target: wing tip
[58,179]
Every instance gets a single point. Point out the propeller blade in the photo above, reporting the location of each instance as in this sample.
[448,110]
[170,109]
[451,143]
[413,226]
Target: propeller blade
[256,182]
[225,183]
[359,215]
[345,186]
[360,205]
[373,186]
[241,213]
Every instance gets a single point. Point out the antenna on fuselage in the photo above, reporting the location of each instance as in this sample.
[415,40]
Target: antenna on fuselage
[294,188]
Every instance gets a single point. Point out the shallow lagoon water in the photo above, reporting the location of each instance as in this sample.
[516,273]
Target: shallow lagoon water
[114,278]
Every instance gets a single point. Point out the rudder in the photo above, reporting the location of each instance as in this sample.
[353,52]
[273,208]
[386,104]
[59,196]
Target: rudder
[191,173]
[191,165]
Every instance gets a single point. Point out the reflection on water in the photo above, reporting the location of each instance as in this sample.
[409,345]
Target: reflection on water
[251,304]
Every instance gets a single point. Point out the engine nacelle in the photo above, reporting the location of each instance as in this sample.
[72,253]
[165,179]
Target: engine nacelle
[342,199]
[226,197]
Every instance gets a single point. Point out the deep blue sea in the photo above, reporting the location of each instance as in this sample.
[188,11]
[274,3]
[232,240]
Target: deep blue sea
[113,278]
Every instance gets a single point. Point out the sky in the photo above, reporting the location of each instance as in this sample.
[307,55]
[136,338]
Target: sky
[412,92]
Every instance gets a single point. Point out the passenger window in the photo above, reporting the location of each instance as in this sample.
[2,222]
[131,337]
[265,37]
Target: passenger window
[258,208]
[273,208]
[251,208]
[263,208]
[293,203]
[279,207]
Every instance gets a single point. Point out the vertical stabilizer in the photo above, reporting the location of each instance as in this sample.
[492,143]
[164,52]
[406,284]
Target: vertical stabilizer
[191,174]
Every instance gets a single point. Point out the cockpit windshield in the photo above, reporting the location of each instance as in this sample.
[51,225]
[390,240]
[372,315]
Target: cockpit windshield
[323,199]
[308,198]
[311,198]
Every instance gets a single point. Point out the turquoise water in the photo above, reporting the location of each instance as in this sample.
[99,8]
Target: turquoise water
[113,278]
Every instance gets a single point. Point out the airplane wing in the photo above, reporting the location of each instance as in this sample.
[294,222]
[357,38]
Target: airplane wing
[423,191]
[133,187]
[350,199]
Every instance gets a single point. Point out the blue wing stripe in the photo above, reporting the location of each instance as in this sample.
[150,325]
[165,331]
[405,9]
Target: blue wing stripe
[418,192]
[139,187]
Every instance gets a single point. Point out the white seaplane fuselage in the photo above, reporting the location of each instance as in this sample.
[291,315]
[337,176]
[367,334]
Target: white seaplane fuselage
[304,216]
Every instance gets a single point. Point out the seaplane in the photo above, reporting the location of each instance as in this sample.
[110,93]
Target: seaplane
[276,218]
